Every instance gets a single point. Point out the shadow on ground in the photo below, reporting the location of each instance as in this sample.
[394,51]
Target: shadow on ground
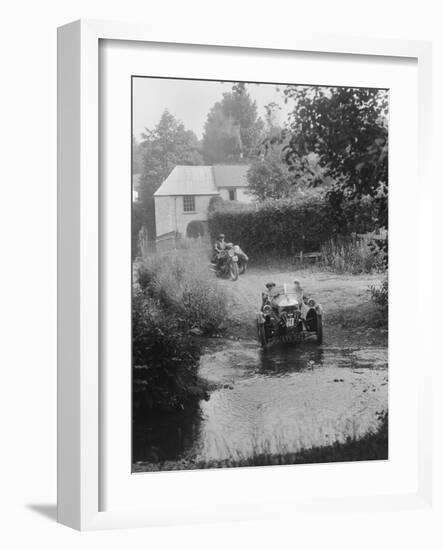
[48,511]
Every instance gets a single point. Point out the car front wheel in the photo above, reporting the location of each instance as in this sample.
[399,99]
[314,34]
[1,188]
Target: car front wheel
[261,334]
[319,329]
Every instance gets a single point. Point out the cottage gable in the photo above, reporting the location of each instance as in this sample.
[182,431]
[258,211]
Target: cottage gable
[188,180]
[185,194]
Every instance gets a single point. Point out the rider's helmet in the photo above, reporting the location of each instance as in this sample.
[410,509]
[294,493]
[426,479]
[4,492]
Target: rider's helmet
[221,237]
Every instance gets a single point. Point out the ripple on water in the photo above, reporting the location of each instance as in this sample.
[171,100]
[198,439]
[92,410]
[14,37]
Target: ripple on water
[282,400]
[289,398]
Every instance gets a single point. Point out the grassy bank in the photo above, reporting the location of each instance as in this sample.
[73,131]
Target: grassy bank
[175,299]
[184,287]
[372,446]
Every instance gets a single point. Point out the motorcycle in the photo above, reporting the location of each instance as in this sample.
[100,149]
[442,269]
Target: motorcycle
[227,263]
[242,259]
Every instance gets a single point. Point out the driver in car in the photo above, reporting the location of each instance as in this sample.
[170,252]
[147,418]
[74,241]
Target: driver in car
[269,294]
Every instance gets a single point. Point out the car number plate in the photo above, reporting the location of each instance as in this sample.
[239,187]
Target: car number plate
[235,258]
[290,322]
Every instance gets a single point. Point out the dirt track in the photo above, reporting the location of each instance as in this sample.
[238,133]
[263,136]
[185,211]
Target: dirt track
[348,311]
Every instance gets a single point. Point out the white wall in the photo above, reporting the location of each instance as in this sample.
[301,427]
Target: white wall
[170,216]
[201,212]
[163,219]
[28,286]
[241,194]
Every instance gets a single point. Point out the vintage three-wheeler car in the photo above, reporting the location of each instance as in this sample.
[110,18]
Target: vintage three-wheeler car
[288,315]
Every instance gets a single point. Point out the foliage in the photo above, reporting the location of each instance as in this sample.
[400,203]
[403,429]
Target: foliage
[195,229]
[164,358]
[137,156]
[269,178]
[349,253]
[214,203]
[175,298]
[347,128]
[232,131]
[138,218]
[380,294]
[185,288]
[280,227]
[167,145]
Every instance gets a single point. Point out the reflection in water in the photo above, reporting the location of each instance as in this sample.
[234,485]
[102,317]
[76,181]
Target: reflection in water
[159,436]
[283,359]
[280,400]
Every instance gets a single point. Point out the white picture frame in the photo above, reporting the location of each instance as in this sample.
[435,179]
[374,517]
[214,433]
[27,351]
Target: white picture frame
[79,265]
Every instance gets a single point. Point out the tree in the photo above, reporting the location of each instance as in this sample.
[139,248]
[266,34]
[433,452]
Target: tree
[137,156]
[347,129]
[270,178]
[164,147]
[233,130]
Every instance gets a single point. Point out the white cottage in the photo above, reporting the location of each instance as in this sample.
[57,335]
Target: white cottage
[185,194]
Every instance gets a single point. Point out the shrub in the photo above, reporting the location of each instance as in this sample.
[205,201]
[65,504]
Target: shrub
[195,229]
[183,285]
[280,226]
[283,227]
[350,254]
[380,294]
[164,358]
[138,214]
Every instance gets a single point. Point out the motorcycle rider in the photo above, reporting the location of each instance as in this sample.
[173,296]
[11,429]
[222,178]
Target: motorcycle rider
[220,243]
[219,247]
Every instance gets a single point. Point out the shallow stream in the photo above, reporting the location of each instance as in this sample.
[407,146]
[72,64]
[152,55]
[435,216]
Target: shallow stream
[279,400]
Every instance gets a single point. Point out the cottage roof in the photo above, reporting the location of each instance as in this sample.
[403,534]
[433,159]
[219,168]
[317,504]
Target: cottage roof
[188,180]
[202,180]
[230,175]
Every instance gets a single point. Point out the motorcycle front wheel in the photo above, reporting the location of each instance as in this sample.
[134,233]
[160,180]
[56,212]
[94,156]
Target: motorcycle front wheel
[233,271]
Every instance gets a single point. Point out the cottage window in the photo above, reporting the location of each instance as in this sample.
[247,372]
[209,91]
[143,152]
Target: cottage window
[232,195]
[189,203]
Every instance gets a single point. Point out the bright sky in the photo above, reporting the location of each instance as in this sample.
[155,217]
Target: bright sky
[190,101]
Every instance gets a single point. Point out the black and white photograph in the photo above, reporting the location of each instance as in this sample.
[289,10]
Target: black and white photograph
[259,273]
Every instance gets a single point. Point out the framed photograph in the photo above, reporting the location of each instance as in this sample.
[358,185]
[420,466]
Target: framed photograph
[236,220]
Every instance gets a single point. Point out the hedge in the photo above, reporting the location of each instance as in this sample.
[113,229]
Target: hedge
[284,227]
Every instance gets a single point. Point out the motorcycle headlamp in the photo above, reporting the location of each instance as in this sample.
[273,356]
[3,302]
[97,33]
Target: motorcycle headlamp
[267,310]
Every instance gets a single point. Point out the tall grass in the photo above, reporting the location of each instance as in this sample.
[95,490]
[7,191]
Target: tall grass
[371,446]
[380,294]
[183,285]
[350,254]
